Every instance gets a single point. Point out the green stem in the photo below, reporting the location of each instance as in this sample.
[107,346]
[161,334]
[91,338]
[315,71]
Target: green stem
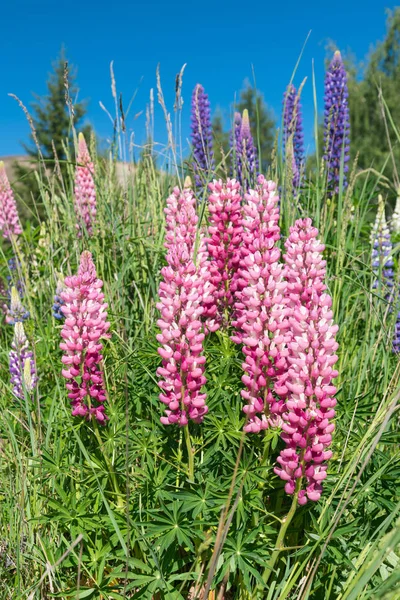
[190,453]
[110,466]
[279,546]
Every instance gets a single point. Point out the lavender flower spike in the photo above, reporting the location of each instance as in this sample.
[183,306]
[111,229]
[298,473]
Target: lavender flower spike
[336,123]
[22,365]
[203,153]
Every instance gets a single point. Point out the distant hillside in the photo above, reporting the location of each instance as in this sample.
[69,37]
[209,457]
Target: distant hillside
[123,170]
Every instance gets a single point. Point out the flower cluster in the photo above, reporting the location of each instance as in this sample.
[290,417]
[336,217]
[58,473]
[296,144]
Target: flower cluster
[310,401]
[293,131]
[85,191]
[9,219]
[22,364]
[181,294]
[261,322]
[201,136]
[225,233]
[336,123]
[84,326]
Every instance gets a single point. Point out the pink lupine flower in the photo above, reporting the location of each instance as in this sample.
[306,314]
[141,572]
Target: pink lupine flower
[85,191]
[181,306]
[225,232]
[307,427]
[9,219]
[261,316]
[84,326]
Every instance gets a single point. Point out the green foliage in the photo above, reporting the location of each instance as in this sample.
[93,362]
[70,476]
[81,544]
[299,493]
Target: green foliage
[369,135]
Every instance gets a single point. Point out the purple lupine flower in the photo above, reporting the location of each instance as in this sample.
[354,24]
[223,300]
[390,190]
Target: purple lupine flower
[22,364]
[293,129]
[58,301]
[235,143]
[203,153]
[336,123]
[17,313]
[247,159]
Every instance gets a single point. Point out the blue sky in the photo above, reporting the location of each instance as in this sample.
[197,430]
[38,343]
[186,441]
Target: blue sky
[219,41]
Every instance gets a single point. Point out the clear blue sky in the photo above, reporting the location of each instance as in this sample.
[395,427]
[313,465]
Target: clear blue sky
[219,41]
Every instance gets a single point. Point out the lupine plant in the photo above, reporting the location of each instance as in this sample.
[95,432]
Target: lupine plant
[22,364]
[203,155]
[293,132]
[9,220]
[85,325]
[85,191]
[251,324]
[336,124]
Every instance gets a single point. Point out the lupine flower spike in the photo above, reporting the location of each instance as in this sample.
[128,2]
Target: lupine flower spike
[84,327]
[235,143]
[181,309]
[9,219]
[382,260]
[17,313]
[22,364]
[247,160]
[203,154]
[260,308]
[225,232]
[336,123]
[293,130]
[85,191]
[58,301]
[310,402]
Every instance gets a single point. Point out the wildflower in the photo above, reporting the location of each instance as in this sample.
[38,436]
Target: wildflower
[201,136]
[309,410]
[181,309]
[9,219]
[85,191]
[22,364]
[58,301]
[84,327]
[225,232]
[336,123]
[246,153]
[382,251]
[260,307]
[293,130]
[17,313]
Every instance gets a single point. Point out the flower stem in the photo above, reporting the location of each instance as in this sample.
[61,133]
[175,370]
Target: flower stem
[110,466]
[190,453]
[279,546]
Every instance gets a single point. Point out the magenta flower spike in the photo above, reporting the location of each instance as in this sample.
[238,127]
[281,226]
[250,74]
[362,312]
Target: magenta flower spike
[310,402]
[84,326]
[85,191]
[225,230]
[9,219]
[181,307]
[261,319]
